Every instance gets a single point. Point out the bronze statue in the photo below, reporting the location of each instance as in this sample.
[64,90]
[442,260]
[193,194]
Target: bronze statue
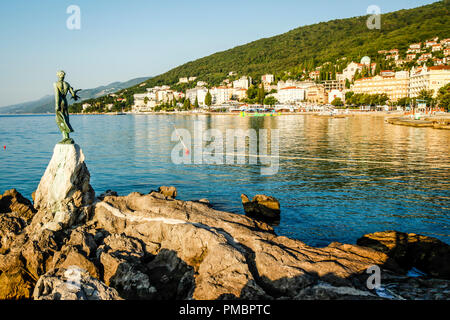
[62,107]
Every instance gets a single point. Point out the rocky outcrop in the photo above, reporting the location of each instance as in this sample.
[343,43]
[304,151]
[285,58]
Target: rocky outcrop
[64,193]
[156,247]
[427,254]
[10,227]
[227,255]
[72,284]
[13,202]
[262,207]
[107,193]
[168,191]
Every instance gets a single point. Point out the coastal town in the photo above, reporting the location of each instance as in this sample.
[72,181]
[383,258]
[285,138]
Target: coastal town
[395,80]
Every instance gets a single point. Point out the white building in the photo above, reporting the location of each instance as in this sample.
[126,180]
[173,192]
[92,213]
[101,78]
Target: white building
[394,85]
[436,47]
[294,83]
[350,70]
[428,78]
[268,78]
[242,83]
[221,94]
[239,94]
[153,97]
[333,94]
[197,93]
[290,95]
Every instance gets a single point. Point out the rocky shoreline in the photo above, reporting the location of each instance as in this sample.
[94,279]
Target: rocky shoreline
[69,244]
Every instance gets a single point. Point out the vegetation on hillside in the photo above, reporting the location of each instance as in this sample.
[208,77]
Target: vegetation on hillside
[306,47]
[331,45]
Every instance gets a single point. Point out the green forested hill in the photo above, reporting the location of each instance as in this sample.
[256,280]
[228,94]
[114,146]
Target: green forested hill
[313,45]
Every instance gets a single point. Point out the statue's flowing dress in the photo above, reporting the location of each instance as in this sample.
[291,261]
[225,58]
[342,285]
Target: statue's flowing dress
[62,114]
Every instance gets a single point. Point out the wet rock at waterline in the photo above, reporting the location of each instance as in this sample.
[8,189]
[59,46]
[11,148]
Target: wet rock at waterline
[262,207]
[13,202]
[107,193]
[427,254]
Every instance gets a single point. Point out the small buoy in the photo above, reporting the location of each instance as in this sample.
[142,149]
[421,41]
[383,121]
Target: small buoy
[4,147]
[187,152]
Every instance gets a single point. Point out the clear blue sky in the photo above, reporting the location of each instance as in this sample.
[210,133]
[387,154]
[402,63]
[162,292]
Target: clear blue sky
[120,40]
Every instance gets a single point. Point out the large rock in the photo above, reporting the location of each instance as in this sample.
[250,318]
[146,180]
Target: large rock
[64,191]
[12,201]
[168,191]
[10,227]
[71,256]
[224,255]
[325,291]
[72,284]
[420,288]
[412,250]
[16,284]
[123,267]
[83,240]
[265,208]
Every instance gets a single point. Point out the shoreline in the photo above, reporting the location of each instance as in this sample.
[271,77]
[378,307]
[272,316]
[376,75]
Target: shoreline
[351,113]
[208,252]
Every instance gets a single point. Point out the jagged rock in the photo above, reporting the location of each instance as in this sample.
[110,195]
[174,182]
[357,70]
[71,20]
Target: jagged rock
[71,256]
[83,240]
[13,201]
[38,251]
[168,191]
[16,284]
[131,282]
[108,193]
[205,201]
[125,246]
[325,291]
[262,207]
[10,227]
[121,257]
[10,260]
[407,288]
[231,255]
[72,284]
[171,276]
[64,189]
[427,254]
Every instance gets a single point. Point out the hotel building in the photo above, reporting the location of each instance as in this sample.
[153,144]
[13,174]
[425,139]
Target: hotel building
[395,85]
[428,78]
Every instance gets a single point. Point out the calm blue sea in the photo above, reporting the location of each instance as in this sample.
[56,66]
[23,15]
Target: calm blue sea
[338,178]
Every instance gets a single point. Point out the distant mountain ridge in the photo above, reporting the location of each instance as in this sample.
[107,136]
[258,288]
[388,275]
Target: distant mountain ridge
[46,103]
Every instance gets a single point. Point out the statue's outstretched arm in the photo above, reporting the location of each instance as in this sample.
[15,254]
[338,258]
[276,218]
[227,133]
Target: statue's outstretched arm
[74,93]
[57,98]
